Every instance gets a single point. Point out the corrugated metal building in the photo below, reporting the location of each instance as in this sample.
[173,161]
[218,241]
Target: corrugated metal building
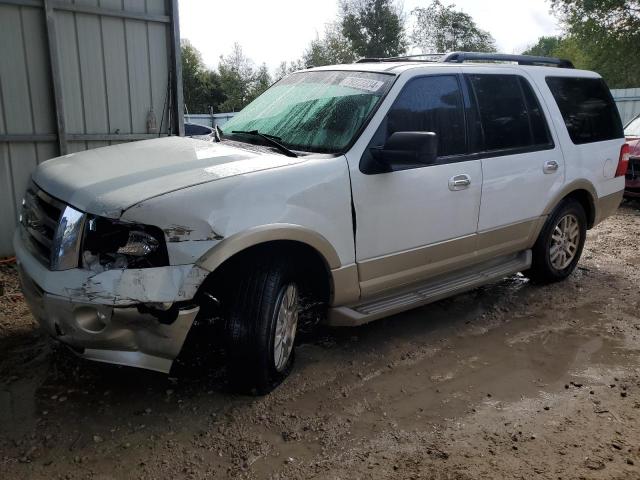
[628,101]
[81,74]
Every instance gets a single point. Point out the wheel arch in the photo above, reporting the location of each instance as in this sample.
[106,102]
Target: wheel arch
[583,192]
[284,239]
[256,236]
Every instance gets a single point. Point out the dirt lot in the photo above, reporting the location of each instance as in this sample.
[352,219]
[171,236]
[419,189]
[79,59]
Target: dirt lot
[509,381]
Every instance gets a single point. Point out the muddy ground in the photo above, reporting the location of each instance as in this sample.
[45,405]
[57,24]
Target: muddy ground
[509,381]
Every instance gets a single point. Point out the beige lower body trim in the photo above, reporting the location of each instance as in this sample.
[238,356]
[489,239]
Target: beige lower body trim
[397,270]
[570,188]
[607,205]
[378,275]
[429,291]
[346,288]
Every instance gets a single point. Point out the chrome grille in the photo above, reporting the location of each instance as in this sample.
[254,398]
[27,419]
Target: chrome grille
[51,229]
[40,218]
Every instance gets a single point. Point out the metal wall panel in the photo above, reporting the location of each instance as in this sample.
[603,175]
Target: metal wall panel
[116,63]
[117,84]
[628,101]
[26,107]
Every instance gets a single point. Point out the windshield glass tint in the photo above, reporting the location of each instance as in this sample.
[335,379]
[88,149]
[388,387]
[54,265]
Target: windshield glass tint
[633,129]
[314,111]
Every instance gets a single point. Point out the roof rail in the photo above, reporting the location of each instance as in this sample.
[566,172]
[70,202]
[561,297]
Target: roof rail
[435,57]
[460,57]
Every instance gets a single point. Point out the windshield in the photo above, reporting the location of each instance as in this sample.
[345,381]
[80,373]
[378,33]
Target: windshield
[313,111]
[633,128]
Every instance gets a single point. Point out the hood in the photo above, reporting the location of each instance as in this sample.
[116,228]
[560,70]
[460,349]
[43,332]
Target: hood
[106,181]
[634,143]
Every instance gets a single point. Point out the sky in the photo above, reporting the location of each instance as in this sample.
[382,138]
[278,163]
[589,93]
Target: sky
[279,30]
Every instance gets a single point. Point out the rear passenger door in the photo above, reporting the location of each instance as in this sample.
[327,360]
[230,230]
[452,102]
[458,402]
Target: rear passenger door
[522,163]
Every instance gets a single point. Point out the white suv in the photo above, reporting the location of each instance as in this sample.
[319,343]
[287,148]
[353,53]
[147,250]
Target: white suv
[369,188]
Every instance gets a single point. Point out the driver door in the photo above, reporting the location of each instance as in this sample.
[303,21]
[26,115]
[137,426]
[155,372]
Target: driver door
[415,223]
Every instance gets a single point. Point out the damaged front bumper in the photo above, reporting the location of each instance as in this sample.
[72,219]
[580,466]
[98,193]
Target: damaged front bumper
[110,316]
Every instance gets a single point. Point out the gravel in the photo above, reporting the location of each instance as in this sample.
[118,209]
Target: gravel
[511,380]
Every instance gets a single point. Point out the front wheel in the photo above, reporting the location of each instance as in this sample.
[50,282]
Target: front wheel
[559,246]
[262,323]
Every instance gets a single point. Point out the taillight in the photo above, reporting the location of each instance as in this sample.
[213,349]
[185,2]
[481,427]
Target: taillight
[623,162]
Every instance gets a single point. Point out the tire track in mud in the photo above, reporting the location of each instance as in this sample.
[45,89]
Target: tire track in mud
[508,381]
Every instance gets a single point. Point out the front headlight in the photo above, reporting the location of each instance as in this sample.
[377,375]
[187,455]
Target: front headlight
[110,244]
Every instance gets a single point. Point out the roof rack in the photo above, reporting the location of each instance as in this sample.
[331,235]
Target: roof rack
[435,57]
[461,57]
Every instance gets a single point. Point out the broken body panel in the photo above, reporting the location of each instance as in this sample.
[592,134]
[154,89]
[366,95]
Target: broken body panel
[198,194]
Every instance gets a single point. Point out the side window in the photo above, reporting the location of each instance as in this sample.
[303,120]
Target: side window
[587,109]
[539,127]
[510,114]
[430,104]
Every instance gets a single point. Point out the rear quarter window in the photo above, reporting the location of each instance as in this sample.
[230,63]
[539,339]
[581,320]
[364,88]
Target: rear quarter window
[587,108]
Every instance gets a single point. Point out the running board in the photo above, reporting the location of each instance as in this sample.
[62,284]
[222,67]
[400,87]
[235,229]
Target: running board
[430,291]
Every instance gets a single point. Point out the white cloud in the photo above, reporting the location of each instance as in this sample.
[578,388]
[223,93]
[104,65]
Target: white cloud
[276,30]
[268,31]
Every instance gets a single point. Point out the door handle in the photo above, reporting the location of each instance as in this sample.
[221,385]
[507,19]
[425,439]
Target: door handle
[459,182]
[550,167]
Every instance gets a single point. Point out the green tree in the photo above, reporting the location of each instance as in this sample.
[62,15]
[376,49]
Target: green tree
[191,68]
[333,48]
[603,35]
[285,68]
[236,78]
[563,47]
[572,49]
[441,28]
[620,18]
[201,87]
[544,47]
[260,82]
[374,28]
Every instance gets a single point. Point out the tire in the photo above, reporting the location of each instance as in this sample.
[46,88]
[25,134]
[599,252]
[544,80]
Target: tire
[559,245]
[261,326]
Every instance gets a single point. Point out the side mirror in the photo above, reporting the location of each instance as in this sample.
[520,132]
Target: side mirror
[404,150]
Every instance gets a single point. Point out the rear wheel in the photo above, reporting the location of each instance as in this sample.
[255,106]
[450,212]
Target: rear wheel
[262,322]
[559,246]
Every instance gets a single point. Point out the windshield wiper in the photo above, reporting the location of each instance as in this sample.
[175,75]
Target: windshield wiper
[270,139]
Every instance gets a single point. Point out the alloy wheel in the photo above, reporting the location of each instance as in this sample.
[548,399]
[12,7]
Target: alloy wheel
[286,326]
[565,241]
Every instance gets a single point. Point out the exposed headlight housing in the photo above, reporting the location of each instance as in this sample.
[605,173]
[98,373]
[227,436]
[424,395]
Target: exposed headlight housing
[111,244]
[139,244]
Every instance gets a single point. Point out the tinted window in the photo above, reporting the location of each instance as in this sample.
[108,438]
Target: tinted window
[430,104]
[539,128]
[503,111]
[587,108]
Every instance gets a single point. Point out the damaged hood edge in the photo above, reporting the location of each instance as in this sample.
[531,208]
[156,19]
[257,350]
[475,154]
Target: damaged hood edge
[107,181]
